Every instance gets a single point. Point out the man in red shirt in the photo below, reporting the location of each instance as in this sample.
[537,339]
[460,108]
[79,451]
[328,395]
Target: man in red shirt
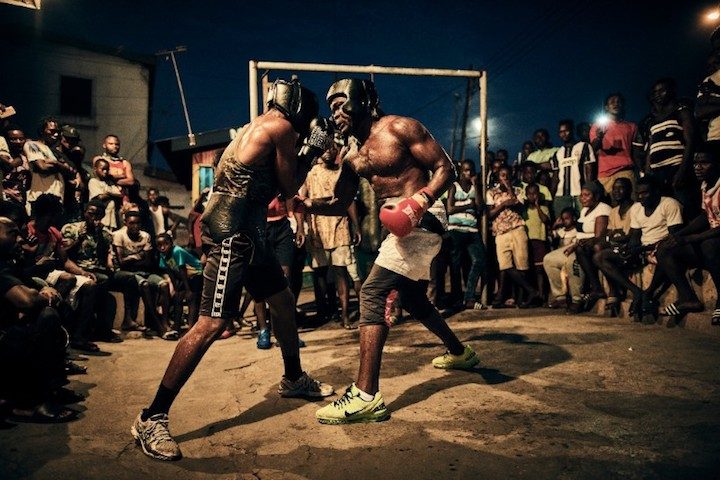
[612,142]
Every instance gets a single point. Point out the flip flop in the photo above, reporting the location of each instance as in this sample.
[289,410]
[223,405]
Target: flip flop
[170,335]
[675,310]
[46,414]
[715,318]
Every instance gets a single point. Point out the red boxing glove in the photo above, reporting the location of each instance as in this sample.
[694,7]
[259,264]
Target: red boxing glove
[400,219]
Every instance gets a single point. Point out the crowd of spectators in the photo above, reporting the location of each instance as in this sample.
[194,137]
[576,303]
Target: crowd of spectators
[573,224]
[69,238]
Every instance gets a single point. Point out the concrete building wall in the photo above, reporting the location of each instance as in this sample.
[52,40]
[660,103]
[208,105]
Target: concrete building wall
[32,69]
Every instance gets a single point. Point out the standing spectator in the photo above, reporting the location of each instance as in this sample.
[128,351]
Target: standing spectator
[667,136]
[76,191]
[528,175]
[464,210]
[511,240]
[171,220]
[707,104]
[527,148]
[502,156]
[612,142]
[583,132]
[120,168]
[573,164]
[696,245]
[156,211]
[330,240]
[47,168]
[17,175]
[537,221]
[544,151]
[104,188]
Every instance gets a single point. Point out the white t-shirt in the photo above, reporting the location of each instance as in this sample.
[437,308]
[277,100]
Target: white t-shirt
[129,246]
[158,220]
[655,227]
[586,222]
[42,182]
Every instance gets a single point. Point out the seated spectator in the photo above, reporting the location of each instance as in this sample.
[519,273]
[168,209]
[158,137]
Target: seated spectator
[592,230]
[573,164]
[16,169]
[537,221]
[184,273]
[652,219]
[464,209]
[618,236]
[171,220]
[511,240]
[195,225]
[134,254]
[564,234]
[694,246]
[47,260]
[88,244]
[32,347]
[102,186]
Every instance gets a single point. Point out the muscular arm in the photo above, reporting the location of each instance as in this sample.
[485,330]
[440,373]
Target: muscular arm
[129,178]
[283,137]
[426,152]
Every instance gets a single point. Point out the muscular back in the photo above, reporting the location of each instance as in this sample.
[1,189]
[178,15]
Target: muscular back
[398,156]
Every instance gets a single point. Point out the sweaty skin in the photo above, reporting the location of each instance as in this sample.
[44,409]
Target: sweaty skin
[396,156]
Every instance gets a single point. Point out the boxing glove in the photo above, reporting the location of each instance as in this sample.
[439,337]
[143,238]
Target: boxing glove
[401,218]
[317,142]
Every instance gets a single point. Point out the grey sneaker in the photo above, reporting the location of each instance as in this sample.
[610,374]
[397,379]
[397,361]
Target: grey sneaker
[154,437]
[304,386]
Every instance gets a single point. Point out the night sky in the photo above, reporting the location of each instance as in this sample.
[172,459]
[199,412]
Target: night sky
[546,60]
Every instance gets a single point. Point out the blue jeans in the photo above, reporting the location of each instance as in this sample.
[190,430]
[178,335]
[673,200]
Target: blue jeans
[471,243]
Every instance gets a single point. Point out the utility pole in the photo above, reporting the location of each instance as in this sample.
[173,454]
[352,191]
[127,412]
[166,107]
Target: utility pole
[455,125]
[171,55]
[466,111]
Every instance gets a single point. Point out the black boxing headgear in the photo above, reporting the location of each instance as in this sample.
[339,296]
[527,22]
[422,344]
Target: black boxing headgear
[362,99]
[299,104]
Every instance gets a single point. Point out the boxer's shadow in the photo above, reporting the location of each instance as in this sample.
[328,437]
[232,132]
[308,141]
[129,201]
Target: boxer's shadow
[504,357]
[272,405]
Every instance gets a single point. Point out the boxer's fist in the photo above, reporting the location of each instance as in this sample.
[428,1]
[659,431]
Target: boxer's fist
[401,218]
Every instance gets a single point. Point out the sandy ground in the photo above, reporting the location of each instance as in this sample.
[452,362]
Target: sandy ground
[555,397]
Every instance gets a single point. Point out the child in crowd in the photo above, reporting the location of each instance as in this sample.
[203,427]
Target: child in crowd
[183,271]
[537,221]
[104,188]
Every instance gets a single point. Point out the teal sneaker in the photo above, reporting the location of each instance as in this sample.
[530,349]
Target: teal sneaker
[350,408]
[466,360]
[263,340]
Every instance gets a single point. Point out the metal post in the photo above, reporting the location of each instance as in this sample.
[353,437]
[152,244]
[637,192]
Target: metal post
[171,54]
[483,164]
[466,111]
[253,81]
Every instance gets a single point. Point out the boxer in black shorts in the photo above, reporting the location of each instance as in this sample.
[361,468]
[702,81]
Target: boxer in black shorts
[258,163]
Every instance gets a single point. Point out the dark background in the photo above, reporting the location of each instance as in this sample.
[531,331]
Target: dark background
[546,60]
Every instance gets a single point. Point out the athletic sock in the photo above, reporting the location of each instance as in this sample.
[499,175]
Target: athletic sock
[292,367]
[365,396]
[164,399]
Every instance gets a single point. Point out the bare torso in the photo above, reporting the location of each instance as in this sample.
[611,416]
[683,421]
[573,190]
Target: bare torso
[387,161]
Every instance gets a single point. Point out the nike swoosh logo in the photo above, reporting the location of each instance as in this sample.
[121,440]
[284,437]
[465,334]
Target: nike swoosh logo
[350,414]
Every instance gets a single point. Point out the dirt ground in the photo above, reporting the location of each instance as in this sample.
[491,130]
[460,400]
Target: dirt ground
[555,397]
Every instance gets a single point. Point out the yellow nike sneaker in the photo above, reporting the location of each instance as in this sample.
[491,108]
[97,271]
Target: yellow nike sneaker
[466,360]
[350,408]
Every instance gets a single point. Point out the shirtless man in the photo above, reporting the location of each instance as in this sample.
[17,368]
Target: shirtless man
[120,168]
[257,164]
[397,155]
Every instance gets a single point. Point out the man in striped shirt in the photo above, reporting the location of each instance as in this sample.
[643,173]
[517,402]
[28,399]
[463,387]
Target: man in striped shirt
[667,138]
[707,104]
[574,164]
